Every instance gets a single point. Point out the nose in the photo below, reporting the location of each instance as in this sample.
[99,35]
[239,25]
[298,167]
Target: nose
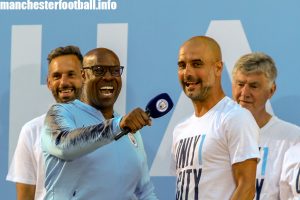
[188,71]
[64,81]
[245,91]
[107,75]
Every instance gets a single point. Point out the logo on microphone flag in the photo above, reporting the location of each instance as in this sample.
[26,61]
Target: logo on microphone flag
[162,105]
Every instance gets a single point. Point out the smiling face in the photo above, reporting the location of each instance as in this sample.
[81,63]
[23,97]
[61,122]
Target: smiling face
[102,91]
[199,70]
[252,90]
[65,78]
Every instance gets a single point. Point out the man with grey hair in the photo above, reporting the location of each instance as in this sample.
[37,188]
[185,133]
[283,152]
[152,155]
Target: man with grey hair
[253,85]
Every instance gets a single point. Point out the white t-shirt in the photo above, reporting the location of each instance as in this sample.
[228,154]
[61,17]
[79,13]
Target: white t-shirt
[205,148]
[27,165]
[276,137]
[290,176]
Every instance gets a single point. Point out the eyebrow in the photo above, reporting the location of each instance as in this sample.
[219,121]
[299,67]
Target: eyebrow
[250,83]
[195,60]
[104,66]
[180,62]
[254,83]
[198,60]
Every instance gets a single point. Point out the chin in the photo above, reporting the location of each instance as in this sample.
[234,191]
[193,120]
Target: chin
[246,106]
[105,102]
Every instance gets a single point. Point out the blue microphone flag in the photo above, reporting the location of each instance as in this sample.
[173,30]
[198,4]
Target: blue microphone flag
[156,107]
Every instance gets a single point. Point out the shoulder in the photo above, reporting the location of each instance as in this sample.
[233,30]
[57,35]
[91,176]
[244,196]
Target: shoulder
[65,109]
[291,158]
[37,120]
[292,151]
[35,123]
[29,136]
[281,123]
[233,111]
[67,105]
[183,122]
[72,106]
[237,121]
[290,131]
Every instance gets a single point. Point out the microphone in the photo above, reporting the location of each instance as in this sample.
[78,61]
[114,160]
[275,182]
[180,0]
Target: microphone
[156,107]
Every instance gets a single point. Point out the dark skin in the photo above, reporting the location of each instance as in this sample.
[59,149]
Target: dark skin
[101,92]
[102,99]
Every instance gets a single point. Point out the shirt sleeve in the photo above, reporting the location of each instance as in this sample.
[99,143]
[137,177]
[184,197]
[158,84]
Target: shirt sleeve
[289,184]
[63,139]
[242,136]
[24,156]
[145,189]
[172,163]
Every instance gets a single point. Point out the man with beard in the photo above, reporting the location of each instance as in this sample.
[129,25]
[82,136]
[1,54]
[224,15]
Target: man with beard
[64,80]
[82,159]
[215,150]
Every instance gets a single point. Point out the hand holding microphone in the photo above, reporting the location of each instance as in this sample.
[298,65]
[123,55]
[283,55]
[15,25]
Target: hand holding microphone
[137,119]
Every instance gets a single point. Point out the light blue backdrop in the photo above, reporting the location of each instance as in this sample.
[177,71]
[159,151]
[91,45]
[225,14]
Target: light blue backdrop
[155,31]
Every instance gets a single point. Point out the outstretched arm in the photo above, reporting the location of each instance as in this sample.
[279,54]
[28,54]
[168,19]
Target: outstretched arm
[62,138]
[67,139]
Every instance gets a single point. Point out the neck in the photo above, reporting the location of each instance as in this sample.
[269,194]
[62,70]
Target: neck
[106,112]
[108,115]
[202,107]
[262,118]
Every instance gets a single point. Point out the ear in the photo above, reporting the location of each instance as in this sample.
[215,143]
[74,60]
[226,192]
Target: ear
[219,68]
[272,90]
[83,75]
[48,83]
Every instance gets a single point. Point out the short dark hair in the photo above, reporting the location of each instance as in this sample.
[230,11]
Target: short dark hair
[67,50]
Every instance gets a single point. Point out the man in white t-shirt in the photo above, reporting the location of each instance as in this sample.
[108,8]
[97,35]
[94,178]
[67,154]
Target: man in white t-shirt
[65,82]
[253,84]
[290,175]
[214,151]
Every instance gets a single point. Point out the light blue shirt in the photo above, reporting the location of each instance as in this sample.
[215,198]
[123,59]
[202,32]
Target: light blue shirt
[84,162]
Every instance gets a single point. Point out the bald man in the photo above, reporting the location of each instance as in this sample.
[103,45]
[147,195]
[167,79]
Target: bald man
[82,159]
[215,150]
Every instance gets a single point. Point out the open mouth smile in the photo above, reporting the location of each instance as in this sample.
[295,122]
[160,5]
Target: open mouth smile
[107,90]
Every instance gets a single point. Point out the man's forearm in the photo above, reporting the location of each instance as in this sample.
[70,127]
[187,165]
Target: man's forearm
[244,175]
[25,191]
[244,192]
